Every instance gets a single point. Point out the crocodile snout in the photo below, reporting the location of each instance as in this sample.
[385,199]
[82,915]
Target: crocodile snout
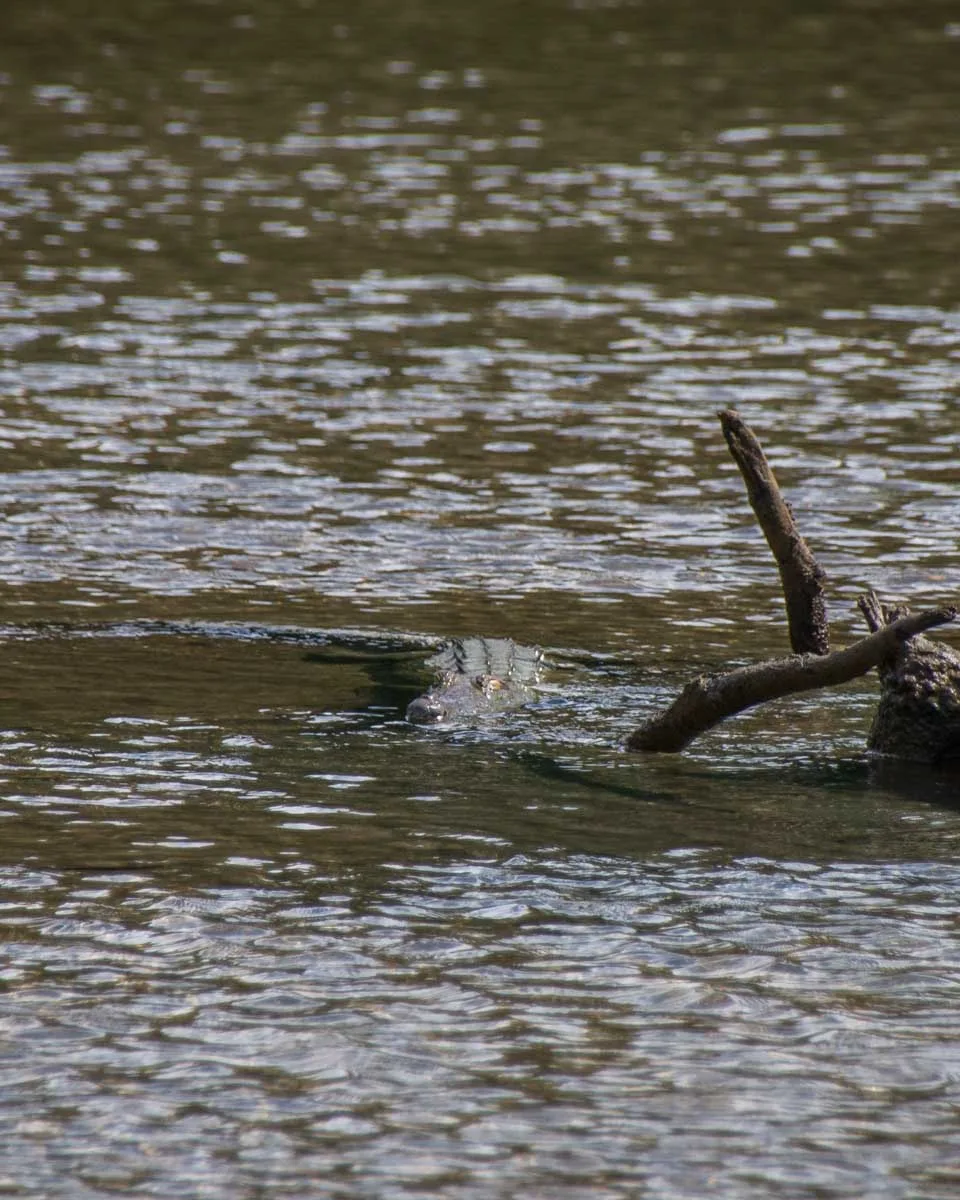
[425,710]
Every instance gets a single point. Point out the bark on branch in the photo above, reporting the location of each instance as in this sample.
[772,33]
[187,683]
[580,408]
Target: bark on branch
[800,574]
[918,716]
[709,699]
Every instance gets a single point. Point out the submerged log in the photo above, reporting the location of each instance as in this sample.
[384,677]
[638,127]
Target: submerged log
[918,717]
[710,699]
[919,713]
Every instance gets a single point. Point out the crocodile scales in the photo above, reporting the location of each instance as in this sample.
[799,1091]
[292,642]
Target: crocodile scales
[477,675]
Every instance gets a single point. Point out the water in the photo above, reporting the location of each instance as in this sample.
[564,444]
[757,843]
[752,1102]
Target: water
[389,324]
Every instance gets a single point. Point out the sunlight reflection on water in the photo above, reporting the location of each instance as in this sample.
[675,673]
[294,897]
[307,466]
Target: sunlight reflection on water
[336,323]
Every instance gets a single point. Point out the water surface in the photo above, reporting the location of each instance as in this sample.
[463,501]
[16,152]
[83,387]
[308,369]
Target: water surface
[388,325]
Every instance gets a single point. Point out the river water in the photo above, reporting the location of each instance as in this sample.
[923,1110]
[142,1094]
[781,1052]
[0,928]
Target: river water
[329,330]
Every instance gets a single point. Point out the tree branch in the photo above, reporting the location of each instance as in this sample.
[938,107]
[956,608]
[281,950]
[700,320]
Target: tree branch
[709,699]
[800,574]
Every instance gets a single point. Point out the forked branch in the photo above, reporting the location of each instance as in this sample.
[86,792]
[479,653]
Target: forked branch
[710,699]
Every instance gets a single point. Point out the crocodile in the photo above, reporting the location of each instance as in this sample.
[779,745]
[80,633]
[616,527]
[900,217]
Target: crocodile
[472,675]
[476,676]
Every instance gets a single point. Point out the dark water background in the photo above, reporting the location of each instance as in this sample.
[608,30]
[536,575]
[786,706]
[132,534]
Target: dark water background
[410,320]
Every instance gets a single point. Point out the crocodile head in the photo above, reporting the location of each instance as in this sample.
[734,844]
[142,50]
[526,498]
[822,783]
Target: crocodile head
[458,695]
[476,676]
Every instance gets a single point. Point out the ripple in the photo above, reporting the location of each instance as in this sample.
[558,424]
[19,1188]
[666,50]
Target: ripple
[325,337]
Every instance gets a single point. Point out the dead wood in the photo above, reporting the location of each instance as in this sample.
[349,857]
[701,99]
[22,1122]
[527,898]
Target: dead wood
[919,713]
[800,574]
[918,717]
[710,699]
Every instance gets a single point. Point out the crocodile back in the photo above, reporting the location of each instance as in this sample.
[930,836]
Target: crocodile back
[500,658]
